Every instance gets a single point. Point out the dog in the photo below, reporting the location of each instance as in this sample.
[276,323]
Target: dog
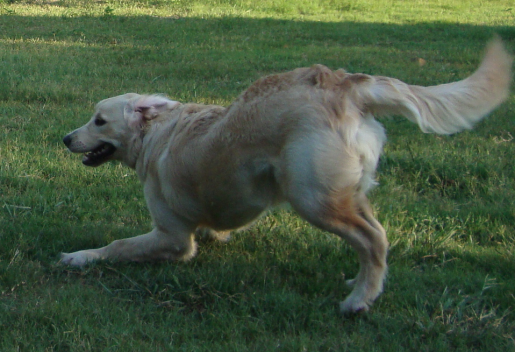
[306,137]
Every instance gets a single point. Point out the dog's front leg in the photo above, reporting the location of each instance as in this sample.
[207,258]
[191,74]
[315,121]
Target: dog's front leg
[153,246]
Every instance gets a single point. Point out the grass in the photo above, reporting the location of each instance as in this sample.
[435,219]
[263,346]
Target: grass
[447,202]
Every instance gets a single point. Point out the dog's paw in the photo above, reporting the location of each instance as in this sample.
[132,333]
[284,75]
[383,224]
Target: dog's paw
[78,259]
[207,234]
[353,306]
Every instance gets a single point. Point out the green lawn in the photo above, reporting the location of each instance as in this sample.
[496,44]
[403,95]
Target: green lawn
[447,203]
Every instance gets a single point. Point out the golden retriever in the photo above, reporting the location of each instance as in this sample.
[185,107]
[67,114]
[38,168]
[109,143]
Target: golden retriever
[306,137]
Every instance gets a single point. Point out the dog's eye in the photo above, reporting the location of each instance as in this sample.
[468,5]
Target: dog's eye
[100,121]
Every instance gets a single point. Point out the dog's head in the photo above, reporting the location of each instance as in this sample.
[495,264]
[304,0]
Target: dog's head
[116,123]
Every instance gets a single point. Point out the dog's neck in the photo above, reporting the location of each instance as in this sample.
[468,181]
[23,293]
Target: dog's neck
[139,159]
[134,147]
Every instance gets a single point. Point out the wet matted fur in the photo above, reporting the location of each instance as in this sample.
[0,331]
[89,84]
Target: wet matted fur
[307,137]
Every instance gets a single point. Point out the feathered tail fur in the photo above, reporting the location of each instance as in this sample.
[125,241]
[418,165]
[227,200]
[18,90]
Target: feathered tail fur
[446,108]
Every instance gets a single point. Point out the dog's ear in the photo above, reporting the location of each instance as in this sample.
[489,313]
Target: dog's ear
[147,108]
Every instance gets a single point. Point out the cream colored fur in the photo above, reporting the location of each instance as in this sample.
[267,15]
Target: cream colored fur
[306,137]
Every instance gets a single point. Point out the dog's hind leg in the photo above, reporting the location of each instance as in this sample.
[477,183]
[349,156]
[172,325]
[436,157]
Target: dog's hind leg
[343,215]
[365,211]
[322,183]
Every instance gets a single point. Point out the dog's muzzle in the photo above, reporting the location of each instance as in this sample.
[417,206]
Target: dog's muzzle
[94,157]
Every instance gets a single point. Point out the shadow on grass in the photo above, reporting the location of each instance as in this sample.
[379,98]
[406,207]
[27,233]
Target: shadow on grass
[69,59]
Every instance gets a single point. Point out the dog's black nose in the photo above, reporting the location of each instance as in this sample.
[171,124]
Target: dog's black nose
[67,140]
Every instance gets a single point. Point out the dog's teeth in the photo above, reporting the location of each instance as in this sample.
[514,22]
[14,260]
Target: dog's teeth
[98,155]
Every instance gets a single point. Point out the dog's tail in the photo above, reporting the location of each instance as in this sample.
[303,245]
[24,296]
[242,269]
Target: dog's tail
[446,108]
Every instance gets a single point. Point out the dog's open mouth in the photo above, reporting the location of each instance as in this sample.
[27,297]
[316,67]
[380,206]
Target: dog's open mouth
[98,155]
